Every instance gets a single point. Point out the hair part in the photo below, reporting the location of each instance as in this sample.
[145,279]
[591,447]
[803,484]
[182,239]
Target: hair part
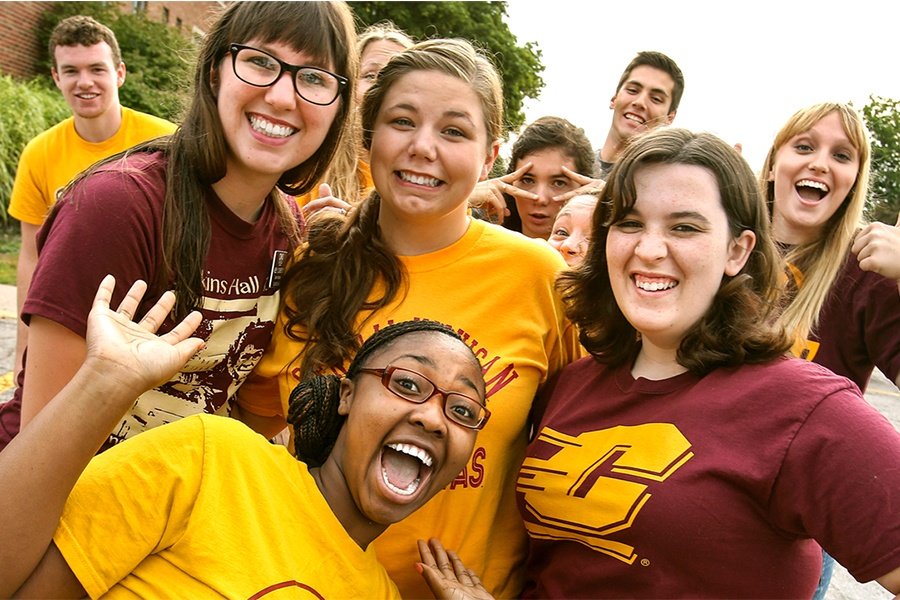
[81,30]
[313,407]
[821,260]
[738,326]
[331,282]
[657,60]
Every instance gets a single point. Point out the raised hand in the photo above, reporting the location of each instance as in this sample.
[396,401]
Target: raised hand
[588,185]
[877,247]
[488,195]
[446,575]
[129,354]
[325,202]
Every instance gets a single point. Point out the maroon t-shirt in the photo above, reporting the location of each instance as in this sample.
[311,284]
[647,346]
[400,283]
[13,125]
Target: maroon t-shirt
[111,222]
[859,326]
[712,487]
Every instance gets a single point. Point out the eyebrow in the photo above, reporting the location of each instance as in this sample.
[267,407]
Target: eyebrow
[424,360]
[454,114]
[653,89]
[689,214]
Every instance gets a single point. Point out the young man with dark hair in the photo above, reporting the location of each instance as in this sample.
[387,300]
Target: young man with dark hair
[647,97]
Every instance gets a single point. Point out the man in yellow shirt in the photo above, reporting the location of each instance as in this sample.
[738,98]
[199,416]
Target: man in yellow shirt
[88,70]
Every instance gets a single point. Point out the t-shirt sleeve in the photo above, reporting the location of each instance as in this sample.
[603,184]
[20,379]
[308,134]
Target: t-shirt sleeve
[104,225]
[840,485]
[881,317]
[132,501]
[27,202]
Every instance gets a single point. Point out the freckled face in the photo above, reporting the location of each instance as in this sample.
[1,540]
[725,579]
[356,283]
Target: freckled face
[395,454]
[668,255]
[813,174]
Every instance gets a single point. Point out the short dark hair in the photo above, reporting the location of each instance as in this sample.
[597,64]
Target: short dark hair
[554,132]
[657,60]
[81,30]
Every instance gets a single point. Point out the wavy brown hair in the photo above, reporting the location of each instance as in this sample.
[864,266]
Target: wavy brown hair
[331,281]
[738,328]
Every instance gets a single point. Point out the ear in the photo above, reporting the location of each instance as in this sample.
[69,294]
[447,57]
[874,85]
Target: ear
[120,74]
[612,101]
[489,160]
[771,174]
[346,397]
[55,76]
[214,80]
[670,117]
[739,251]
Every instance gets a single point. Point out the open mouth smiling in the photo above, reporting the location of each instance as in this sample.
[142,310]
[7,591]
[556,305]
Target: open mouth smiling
[404,467]
[423,180]
[266,127]
[811,190]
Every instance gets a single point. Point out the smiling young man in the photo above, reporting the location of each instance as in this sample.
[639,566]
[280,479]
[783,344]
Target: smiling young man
[647,97]
[88,70]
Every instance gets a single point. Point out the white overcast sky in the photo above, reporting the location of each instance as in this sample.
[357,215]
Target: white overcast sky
[747,65]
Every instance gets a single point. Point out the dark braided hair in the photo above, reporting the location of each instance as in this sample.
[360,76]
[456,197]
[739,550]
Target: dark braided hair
[313,406]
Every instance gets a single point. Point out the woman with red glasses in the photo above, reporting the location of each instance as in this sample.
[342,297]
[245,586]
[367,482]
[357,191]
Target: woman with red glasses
[202,212]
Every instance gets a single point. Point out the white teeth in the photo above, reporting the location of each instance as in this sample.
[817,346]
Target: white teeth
[270,129]
[413,451]
[655,286]
[813,184]
[420,179]
[635,118]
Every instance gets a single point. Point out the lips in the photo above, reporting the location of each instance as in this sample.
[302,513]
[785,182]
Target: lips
[419,179]
[270,128]
[811,191]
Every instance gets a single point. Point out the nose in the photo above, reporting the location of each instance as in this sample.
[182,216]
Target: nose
[574,245]
[422,144]
[651,247]
[545,195]
[282,94]
[84,79]
[818,161]
[430,415]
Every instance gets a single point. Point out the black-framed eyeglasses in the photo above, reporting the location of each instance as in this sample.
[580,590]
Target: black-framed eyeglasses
[415,387]
[260,69]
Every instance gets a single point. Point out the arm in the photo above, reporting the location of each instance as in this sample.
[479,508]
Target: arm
[24,271]
[54,355]
[123,360]
[891,582]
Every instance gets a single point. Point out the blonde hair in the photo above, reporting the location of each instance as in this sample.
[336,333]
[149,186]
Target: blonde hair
[821,260]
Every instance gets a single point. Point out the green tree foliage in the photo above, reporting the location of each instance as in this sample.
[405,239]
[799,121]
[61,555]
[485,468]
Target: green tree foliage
[26,109]
[157,58]
[483,24]
[882,116]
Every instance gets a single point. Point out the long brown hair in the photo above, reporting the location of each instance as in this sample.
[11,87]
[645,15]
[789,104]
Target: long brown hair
[738,326]
[334,276]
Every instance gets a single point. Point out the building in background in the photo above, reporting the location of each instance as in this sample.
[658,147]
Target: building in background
[20,49]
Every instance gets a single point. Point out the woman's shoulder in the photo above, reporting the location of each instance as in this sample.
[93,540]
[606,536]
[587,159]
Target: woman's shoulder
[521,246]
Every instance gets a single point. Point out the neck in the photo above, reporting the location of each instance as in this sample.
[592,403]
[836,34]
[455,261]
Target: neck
[406,238]
[100,128]
[656,362]
[243,196]
[333,486]
[785,234]
[612,147]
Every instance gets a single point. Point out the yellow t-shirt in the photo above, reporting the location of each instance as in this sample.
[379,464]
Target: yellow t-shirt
[54,157]
[206,508]
[495,288]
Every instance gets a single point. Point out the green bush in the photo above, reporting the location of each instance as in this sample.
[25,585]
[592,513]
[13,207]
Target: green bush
[26,109]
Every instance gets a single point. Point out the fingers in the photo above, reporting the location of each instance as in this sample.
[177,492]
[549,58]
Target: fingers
[104,292]
[577,177]
[329,203]
[131,301]
[515,175]
[158,312]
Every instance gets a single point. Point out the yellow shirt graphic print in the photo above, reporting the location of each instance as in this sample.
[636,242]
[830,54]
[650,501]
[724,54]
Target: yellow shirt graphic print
[596,483]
